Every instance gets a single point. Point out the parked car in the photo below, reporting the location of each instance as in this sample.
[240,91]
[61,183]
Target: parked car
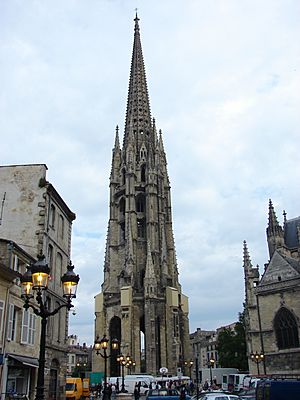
[165,394]
[247,394]
[217,396]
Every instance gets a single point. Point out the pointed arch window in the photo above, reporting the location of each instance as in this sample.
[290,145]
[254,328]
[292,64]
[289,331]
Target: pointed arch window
[286,329]
[123,172]
[141,229]
[140,203]
[122,208]
[143,173]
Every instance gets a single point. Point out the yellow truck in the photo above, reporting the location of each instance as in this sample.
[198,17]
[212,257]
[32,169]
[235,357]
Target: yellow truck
[77,388]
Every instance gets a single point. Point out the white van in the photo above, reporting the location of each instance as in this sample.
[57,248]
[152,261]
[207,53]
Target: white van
[130,384]
[140,377]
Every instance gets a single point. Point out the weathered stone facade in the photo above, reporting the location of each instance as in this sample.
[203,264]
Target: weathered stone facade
[141,291]
[273,300]
[36,218]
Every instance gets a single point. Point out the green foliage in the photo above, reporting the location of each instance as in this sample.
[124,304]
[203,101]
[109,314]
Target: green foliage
[231,347]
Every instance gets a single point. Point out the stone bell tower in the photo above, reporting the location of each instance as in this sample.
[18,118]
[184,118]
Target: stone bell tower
[141,302]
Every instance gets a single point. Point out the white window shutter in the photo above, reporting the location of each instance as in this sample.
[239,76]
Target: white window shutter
[24,338]
[10,322]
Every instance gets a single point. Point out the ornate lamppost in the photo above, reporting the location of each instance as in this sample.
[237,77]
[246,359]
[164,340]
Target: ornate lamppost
[257,358]
[122,360]
[130,363]
[36,279]
[189,364]
[102,344]
[211,364]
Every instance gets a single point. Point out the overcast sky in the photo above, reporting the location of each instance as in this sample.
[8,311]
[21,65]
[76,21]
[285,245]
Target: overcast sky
[224,87]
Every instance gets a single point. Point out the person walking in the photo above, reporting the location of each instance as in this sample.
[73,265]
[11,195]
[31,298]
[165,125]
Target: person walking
[136,393]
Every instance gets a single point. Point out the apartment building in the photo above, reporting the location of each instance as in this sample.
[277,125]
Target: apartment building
[34,219]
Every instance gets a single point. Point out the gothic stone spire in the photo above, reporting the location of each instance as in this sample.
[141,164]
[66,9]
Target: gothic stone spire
[275,234]
[138,116]
[141,290]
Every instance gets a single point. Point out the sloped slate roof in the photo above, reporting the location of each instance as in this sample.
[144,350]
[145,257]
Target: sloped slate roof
[280,266]
[290,232]
[293,263]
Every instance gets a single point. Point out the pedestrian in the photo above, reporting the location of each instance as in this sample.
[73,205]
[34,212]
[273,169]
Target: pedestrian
[182,395]
[192,387]
[139,386]
[206,385]
[136,393]
[113,391]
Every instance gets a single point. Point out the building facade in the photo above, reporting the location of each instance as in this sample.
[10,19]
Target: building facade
[36,219]
[141,302]
[272,300]
[79,357]
[19,334]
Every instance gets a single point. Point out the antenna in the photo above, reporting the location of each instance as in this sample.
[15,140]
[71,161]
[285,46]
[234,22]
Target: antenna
[2,207]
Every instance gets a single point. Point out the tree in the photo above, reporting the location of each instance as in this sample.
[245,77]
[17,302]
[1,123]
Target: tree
[231,346]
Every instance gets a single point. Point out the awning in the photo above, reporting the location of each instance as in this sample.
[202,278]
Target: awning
[29,361]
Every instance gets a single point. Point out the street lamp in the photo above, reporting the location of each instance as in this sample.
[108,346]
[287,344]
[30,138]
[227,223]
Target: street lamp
[211,364]
[36,279]
[130,363]
[257,358]
[122,360]
[102,344]
[189,364]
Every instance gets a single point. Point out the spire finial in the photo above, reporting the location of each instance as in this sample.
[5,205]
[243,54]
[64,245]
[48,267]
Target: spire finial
[138,115]
[273,222]
[284,216]
[247,261]
[117,142]
[136,20]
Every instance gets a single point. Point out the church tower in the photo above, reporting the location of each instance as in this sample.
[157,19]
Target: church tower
[141,302]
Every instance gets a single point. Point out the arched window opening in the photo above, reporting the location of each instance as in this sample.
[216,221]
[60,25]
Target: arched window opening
[52,216]
[50,260]
[58,269]
[142,355]
[58,328]
[141,229]
[143,173]
[61,226]
[140,203]
[123,176]
[286,329]
[142,276]
[122,208]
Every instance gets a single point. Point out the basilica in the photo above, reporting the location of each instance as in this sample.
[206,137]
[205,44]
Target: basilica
[272,300]
[141,303]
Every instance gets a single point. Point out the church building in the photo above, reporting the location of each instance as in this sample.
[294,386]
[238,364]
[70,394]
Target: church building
[272,304]
[141,301]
